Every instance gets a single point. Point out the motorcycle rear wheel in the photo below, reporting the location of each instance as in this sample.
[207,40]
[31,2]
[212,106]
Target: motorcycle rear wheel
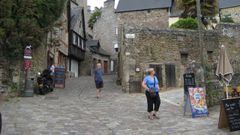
[0,123]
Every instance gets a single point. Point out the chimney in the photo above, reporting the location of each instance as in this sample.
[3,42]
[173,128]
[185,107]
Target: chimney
[89,9]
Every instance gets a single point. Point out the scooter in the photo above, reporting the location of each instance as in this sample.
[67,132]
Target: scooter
[1,94]
[44,82]
[0,123]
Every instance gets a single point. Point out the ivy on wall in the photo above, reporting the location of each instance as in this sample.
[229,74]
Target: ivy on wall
[25,22]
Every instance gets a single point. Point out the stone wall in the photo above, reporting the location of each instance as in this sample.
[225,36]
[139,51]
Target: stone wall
[39,58]
[58,41]
[86,65]
[230,36]
[178,47]
[11,76]
[2,61]
[234,12]
[152,19]
[105,28]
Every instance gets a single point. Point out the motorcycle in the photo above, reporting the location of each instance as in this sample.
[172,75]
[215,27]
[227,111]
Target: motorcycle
[45,82]
[1,98]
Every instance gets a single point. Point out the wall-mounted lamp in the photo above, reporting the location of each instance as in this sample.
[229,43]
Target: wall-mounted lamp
[138,69]
[116,47]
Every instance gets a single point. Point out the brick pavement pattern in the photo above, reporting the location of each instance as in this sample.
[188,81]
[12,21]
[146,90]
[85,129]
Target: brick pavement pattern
[75,111]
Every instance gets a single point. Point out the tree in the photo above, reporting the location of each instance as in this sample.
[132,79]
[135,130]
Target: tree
[25,22]
[209,8]
[93,19]
[48,11]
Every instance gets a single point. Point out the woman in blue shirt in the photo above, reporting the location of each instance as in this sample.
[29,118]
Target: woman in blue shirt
[150,84]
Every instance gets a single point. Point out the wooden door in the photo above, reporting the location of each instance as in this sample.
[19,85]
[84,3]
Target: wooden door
[158,72]
[105,67]
[170,75]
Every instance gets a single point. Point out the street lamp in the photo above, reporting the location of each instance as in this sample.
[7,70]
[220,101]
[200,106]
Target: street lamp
[198,5]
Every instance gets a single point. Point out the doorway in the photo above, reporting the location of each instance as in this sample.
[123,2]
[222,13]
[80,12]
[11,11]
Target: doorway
[105,67]
[50,59]
[170,75]
[158,72]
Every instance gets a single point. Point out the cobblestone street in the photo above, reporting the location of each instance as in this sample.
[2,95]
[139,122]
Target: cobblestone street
[75,111]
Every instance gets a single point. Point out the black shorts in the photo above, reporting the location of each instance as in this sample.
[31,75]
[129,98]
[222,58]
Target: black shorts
[99,84]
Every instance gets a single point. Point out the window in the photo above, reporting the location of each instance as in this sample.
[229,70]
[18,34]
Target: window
[76,39]
[210,56]
[116,30]
[83,46]
[62,32]
[80,24]
[79,42]
[184,58]
[73,39]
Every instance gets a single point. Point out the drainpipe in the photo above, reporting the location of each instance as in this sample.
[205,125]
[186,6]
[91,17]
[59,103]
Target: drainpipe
[69,32]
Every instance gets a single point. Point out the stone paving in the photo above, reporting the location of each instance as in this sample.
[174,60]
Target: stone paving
[75,111]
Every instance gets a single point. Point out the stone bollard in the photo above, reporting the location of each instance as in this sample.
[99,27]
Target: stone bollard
[29,87]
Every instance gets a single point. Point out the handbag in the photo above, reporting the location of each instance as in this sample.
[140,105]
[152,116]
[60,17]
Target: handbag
[152,91]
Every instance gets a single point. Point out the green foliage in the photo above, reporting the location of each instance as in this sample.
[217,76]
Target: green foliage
[48,11]
[25,22]
[93,19]
[227,19]
[188,23]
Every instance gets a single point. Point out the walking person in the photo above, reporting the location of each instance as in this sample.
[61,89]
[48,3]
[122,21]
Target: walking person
[52,75]
[150,84]
[98,73]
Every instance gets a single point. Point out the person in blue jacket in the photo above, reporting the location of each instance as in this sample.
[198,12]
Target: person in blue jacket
[98,77]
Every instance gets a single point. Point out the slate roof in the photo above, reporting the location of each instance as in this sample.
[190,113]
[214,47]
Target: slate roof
[175,11]
[93,43]
[137,5]
[75,16]
[228,3]
[94,46]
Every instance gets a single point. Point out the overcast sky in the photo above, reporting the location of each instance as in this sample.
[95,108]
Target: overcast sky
[96,3]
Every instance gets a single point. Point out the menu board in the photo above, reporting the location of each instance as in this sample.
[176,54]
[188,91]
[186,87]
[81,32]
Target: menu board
[59,79]
[232,110]
[189,79]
